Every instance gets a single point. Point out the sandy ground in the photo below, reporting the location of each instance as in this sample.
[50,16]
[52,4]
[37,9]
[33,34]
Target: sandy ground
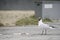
[35,37]
[14,33]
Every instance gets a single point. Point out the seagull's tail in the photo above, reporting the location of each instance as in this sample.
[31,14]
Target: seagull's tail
[52,27]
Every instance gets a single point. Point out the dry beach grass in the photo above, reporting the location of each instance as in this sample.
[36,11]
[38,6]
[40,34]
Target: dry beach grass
[9,17]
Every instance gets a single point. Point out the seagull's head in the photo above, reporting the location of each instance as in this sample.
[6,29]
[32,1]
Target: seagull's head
[39,18]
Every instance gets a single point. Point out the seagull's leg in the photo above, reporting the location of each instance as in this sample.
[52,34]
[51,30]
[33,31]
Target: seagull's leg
[45,31]
[42,32]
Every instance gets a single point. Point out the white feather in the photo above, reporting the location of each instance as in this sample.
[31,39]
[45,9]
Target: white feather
[43,25]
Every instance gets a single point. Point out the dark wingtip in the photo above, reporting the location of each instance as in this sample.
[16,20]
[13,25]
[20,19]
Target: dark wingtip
[52,26]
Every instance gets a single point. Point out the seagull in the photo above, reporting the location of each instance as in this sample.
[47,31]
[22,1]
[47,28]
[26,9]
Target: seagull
[44,26]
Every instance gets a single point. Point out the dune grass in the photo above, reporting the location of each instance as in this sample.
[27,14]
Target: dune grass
[27,21]
[1,24]
[32,20]
[47,20]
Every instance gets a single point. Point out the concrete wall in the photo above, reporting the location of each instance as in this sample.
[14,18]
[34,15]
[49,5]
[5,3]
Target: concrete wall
[52,13]
[38,10]
[16,5]
[21,5]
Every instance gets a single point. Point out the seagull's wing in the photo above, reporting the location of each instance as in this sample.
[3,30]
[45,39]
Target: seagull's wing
[48,26]
[45,25]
